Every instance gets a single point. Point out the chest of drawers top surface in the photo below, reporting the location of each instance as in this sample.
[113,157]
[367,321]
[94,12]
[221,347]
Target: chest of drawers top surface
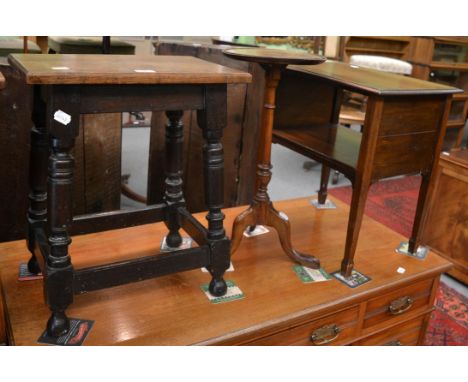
[172,310]
[122,69]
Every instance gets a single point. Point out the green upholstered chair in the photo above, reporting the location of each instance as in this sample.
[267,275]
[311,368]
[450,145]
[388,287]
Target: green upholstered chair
[87,45]
[15,45]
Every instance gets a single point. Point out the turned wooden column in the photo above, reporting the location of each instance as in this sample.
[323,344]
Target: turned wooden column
[261,210]
[58,268]
[212,121]
[39,156]
[173,195]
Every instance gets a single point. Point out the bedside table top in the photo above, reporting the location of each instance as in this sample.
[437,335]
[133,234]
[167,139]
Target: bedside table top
[58,69]
[371,81]
[274,56]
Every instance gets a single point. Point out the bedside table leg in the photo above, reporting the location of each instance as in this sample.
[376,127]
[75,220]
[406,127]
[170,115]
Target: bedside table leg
[413,242]
[356,212]
[323,192]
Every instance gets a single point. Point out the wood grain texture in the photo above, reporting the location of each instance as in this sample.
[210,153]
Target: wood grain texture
[333,145]
[446,230]
[116,69]
[102,161]
[15,127]
[274,56]
[239,140]
[370,81]
[169,310]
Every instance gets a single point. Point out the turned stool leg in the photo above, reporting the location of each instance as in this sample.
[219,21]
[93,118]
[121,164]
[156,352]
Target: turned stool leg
[58,270]
[323,192]
[413,242]
[356,212]
[173,164]
[39,155]
[212,120]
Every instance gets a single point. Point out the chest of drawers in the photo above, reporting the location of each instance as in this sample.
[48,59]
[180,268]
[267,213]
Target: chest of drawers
[277,308]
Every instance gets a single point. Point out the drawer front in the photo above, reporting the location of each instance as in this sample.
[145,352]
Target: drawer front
[333,329]
[398,303]
[406,334]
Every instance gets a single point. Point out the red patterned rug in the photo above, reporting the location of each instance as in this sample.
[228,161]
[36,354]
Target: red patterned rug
[393,203]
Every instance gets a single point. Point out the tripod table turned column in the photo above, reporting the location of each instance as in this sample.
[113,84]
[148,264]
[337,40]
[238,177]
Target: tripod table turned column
[261,210]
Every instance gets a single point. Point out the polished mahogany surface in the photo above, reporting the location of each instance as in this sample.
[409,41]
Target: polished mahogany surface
[122,69]
[172,310]
[373,81]
[274,56]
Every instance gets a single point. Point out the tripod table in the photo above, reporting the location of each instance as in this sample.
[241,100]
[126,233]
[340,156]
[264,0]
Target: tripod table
[261,210]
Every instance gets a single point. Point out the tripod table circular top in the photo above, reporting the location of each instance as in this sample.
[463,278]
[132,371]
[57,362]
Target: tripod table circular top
[274,56]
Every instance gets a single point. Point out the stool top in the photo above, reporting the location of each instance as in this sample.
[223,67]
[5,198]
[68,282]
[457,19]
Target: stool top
[67,69]
[2,81]
[274,56]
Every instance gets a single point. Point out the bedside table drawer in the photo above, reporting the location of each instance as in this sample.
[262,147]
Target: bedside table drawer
[406,334]
[398,303]
[333,329]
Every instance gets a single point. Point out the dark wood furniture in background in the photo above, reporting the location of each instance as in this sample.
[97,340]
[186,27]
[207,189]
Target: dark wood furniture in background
[444,59]
[97,179]
[446,231]
[99,84]
[15,126]
[261,210]
[239,140]
[387,46]
[89,45]
[2,321]
[403,132]
[278,309]
[441,59]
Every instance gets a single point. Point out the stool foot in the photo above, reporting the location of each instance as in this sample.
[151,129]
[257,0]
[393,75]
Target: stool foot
[173,239]
[217,287]
[58,324]
[33,265]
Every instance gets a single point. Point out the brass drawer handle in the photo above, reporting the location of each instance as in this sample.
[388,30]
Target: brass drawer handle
[393,343]
[400,305]
[325,334]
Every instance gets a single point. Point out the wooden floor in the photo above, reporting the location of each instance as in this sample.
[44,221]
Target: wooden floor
[172,310]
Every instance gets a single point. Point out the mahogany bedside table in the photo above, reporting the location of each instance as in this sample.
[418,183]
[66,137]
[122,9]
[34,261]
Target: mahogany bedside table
[403,132]
[66,86]
[261,210]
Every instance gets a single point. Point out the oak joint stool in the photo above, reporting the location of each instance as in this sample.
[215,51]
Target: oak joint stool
[66,86]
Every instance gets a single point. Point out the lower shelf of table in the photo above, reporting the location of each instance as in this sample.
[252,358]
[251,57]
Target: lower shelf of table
[332,145]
